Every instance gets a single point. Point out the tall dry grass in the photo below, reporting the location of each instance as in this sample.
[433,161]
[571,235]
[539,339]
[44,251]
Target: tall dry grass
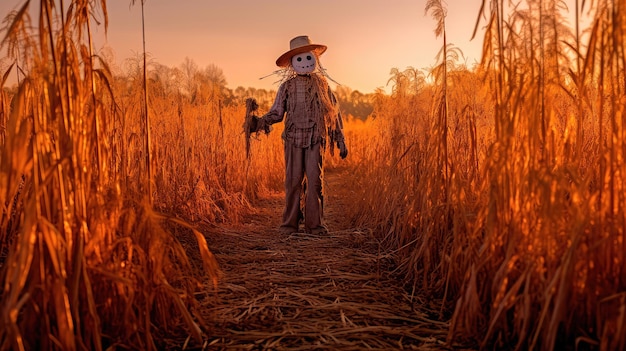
[200,168]
[87,262]
[519,226]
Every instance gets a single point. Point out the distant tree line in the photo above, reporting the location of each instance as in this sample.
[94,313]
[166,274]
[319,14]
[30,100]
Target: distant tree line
[351,102]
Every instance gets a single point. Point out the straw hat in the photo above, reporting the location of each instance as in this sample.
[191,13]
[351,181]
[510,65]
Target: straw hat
[299,45]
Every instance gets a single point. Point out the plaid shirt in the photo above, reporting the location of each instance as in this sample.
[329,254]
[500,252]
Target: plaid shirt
[302,127]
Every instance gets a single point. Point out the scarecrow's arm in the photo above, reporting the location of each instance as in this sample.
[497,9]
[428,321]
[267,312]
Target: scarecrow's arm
[338,131]
[277,112]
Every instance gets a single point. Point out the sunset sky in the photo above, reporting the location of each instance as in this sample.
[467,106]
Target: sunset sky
[365,39]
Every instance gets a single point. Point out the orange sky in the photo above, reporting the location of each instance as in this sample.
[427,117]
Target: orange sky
[365,39]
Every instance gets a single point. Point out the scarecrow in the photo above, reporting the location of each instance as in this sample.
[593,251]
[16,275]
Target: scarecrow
[312,120]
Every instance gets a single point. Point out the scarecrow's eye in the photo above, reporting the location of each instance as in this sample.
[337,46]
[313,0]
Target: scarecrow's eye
[299,59]
[308,57]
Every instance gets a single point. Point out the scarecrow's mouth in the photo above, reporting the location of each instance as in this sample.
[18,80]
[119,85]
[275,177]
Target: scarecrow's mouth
[306,66]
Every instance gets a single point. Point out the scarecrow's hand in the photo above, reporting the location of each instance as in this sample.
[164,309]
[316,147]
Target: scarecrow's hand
[258,124]
[343,150]
[264,125]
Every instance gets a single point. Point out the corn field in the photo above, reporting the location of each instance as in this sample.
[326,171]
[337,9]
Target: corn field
[500,189]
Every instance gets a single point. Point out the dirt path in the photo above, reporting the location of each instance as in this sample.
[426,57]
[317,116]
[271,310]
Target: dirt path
[302,292]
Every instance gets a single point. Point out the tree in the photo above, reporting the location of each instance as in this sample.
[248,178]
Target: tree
[215,75]
[189,69]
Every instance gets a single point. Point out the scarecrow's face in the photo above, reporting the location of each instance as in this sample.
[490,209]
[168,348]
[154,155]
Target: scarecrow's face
[304,63]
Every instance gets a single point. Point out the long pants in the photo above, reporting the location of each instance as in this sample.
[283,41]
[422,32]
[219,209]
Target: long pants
[298,163]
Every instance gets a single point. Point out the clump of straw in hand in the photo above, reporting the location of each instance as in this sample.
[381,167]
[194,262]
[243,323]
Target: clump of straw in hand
[250,122]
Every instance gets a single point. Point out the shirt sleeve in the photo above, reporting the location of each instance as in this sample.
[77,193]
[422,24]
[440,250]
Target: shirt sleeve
[338,130]
[277,112]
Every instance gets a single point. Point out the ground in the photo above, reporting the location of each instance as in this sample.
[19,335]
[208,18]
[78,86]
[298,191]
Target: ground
[303,292]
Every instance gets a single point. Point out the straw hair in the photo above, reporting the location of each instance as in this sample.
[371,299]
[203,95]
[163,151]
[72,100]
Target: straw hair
[297,46]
